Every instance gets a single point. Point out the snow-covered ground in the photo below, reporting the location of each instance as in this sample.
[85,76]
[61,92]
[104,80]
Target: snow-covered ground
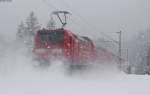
[19,77]
[56,83]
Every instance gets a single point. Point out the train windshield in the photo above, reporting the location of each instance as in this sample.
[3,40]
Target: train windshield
[52,37]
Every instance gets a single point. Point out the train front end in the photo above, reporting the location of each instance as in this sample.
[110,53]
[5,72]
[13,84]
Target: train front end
[49,44]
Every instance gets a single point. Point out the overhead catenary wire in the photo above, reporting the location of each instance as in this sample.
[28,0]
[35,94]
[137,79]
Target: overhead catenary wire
[50,5]
[93,27]
[85,21]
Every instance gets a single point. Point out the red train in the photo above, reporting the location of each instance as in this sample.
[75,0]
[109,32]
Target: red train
[62,43]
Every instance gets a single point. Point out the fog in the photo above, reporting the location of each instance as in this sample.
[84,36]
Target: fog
[89,17]
[20,76]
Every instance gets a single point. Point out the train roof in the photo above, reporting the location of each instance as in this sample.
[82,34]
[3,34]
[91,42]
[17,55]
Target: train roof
[86,38]
[48,30]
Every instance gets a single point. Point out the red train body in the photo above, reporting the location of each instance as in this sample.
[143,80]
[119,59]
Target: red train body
[60,42]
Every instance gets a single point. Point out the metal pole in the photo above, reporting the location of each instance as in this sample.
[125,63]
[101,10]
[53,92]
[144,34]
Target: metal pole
[120,48]
[127,55]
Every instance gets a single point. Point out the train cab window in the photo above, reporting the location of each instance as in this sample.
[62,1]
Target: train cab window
[43,38]
[52,37]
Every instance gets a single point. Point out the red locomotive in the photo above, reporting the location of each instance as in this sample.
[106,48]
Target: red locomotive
[49,43]
[60,42]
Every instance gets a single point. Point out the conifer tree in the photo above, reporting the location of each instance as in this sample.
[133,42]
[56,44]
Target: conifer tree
[26,31]
[51,24]
[32,24]
[32,27]
[21,32]
[148,62]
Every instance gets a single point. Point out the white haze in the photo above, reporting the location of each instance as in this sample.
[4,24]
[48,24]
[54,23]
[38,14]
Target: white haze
[89,16]
[18,76]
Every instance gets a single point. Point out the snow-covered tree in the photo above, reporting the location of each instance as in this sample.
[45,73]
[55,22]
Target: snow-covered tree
[27,30]
[51,24]
[148,61]
[140,53]
[21,32]
[32,24]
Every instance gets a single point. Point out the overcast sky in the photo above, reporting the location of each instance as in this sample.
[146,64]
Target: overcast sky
[89,17]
